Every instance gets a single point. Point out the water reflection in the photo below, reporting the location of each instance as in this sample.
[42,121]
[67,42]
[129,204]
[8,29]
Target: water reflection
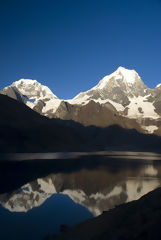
[97,189]
[28,196]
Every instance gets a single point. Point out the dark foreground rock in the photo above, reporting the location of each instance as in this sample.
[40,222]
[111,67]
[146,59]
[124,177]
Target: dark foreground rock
[139,220]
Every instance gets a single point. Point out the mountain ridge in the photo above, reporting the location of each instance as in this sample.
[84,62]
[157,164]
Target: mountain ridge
[121,93]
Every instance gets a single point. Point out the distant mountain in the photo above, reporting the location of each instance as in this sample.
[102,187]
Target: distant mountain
[24,130]
[120,98]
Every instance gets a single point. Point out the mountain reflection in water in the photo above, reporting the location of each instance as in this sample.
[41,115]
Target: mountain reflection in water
[97,189]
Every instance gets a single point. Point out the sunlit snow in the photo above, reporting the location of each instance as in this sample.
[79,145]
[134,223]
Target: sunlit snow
[158,85]
[126,75]
[147,108]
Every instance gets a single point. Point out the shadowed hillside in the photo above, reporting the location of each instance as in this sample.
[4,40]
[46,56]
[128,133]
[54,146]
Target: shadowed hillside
[137,220]
[24,130]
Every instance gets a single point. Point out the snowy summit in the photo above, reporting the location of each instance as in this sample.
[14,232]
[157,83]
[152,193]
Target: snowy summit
[121,74]
[33,89]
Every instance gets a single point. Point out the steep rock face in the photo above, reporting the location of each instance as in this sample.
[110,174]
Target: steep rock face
[119,98]
[13,92]
[94,113]
[156,97]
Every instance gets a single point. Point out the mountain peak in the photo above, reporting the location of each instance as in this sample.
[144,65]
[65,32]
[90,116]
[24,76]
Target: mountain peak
[33,89]
[127,76]
[120,68]
[26,81]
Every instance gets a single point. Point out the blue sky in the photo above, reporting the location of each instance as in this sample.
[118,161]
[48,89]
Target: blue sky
[69,45]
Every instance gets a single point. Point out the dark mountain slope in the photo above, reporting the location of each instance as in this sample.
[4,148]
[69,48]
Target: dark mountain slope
[137,220]
[24,130]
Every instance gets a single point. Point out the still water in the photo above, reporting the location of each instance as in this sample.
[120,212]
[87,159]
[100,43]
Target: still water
[63,195]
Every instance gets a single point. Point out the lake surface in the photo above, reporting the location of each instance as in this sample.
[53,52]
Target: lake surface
[36,197]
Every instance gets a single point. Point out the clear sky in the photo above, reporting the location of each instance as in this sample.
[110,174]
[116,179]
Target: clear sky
[69,45]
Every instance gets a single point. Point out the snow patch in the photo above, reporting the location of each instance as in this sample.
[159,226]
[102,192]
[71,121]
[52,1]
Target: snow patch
[158,85]
[85,100]
[46,186]
[77,196]
[80,101]
[30,104]
[150,171]
[150,128]
[137,188]
[103,82]
[118,106]
[52,104]
[147,108]
[115,192]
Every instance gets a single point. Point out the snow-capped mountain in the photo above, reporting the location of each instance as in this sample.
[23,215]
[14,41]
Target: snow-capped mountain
[127,93]
[119,98]
[118,87]
[33,94]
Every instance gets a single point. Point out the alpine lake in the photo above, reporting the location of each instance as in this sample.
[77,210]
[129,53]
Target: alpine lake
[41,192]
